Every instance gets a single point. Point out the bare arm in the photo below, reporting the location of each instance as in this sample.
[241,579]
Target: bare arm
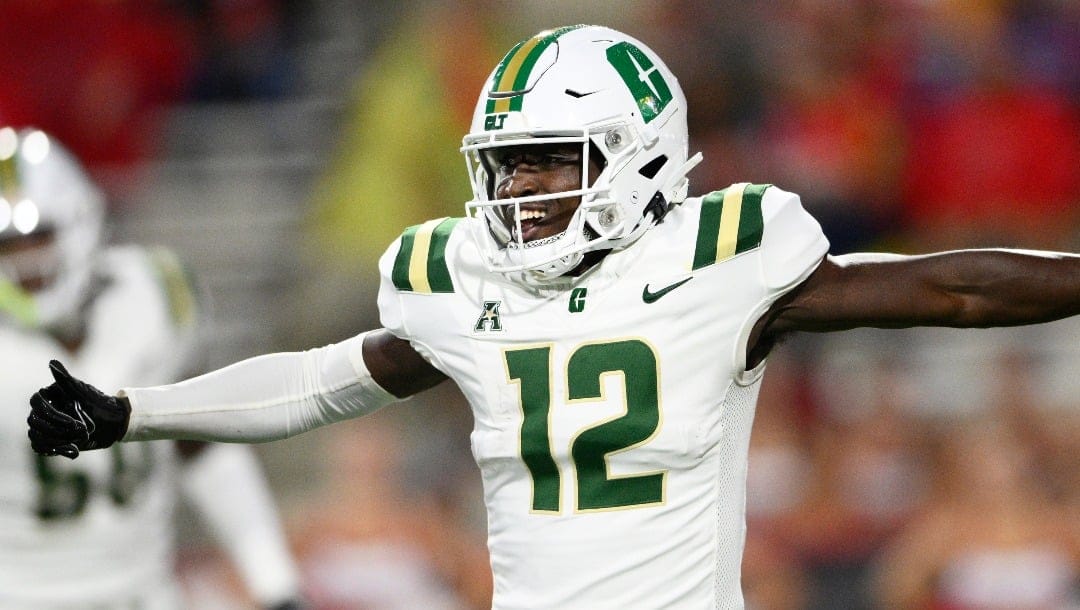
[962,289]
[396,366]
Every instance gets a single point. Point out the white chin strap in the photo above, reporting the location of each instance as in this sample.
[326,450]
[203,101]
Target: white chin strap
[538,260]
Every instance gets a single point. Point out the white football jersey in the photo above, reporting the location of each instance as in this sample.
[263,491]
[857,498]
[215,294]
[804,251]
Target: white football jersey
[95,532]
[612,414]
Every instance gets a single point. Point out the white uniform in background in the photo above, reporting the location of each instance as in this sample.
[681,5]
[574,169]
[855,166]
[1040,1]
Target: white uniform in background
[96,532]
[99,532]
[611,420]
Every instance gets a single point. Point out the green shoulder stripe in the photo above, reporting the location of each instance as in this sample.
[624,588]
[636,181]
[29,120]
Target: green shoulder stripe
[176,282]
[9,176]
[730,223]
[420,265]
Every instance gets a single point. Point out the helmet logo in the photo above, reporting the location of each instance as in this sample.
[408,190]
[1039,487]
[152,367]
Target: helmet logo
[494,121]
[642,78]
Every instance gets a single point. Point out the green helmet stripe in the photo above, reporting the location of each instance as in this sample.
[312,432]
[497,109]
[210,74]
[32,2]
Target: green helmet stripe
[512,73]
[730,223]
[9,175]
[499,71]
[420,265]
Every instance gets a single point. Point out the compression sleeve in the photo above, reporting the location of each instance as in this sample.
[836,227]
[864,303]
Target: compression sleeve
[264,398]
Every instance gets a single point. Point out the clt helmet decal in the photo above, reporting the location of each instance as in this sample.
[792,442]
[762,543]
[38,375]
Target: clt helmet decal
[646,84]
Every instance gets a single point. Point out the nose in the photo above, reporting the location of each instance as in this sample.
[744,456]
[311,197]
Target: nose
[522,181]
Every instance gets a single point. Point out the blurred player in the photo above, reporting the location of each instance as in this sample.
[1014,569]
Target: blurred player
[99,533]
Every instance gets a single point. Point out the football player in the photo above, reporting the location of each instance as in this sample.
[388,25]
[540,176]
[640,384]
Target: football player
[609,332]
[99,533]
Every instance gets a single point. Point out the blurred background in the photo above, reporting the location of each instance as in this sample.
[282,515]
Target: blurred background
[279,145]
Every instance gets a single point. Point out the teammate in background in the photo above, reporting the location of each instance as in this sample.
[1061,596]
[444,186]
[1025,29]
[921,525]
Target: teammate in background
[99,533]
[609,332]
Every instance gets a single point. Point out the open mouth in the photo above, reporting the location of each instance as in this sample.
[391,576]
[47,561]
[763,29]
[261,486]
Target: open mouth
[532,223]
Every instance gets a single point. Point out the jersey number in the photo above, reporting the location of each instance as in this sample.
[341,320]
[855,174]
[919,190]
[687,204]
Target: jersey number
[64,493]
[635,362]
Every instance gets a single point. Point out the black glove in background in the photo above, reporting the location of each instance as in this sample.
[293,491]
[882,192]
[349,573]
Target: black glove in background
[70,415]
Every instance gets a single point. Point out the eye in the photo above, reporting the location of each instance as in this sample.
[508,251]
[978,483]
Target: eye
[508,161]
[560,158]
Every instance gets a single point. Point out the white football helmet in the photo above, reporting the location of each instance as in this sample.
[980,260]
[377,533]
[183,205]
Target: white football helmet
[51,222]
[605,90]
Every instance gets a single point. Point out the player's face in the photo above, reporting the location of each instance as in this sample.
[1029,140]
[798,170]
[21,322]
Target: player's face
[28,260]
[540,169]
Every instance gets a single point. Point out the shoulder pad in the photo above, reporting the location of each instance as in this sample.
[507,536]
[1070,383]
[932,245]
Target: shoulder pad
[730,223]
[793,243]
[420,264]
[175,280]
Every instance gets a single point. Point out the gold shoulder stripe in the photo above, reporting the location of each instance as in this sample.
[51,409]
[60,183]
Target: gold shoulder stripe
[730,223]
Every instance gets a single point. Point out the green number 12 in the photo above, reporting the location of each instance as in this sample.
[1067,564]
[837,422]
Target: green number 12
[635,362]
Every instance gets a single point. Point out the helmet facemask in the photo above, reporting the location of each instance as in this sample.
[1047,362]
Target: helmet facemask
[31,261]
[552,255]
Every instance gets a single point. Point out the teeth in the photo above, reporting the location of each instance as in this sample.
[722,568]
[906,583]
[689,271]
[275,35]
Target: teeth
[532,214]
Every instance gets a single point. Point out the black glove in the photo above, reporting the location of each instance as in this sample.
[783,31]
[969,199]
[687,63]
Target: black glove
[70,415]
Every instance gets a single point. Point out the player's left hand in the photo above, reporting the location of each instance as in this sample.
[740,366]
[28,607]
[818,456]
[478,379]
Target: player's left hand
[70,415]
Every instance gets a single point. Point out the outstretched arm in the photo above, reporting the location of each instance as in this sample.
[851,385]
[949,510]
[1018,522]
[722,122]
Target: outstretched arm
[963,289]
[260,399]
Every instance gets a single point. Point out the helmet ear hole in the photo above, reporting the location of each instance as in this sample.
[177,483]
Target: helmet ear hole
[658,206]
[650,169]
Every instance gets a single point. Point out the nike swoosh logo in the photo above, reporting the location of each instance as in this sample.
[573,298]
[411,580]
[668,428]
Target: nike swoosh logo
[579,94]
[652,297]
